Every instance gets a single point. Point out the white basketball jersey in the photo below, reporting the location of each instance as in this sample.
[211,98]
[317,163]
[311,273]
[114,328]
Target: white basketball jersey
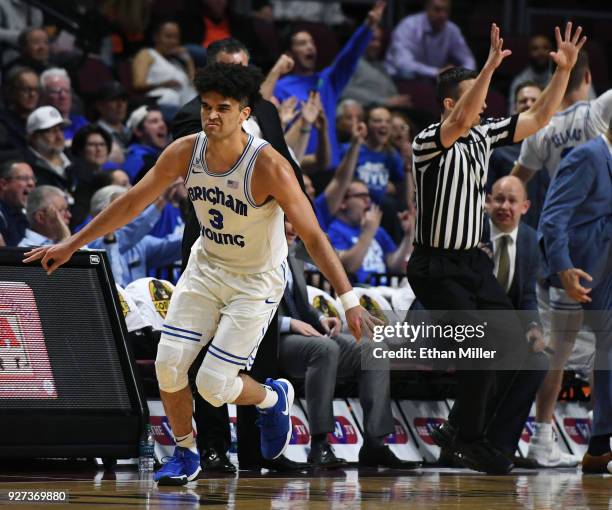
[236,233]
[567,129]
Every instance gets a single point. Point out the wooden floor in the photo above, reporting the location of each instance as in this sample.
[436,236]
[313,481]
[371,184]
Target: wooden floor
[337,490]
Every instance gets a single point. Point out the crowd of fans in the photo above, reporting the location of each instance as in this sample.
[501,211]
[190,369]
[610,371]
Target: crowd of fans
[67,150]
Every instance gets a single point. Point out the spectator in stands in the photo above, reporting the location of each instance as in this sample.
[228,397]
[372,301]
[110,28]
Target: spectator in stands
[15,17]
[149,137]
[330,81]
[363,246]
[503,158]
[348,113]
[45,149]
[538,71]
[48,215]
[424,44]
[33,45]
[133,255]
[315,11]
[371,76]
[90,149]
[328,203]
[56,91]
[21,98]
[108,177]
[311,115]
[312,347]
[171,220]
[205,22]
[165,71]
[401,140]
[16,182]
[381,168]
[111,104]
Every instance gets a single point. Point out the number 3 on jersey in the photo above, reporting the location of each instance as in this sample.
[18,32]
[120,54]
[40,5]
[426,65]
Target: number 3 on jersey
[216,220]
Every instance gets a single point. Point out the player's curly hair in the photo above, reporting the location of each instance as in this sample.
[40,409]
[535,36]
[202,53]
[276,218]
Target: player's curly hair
[230,80]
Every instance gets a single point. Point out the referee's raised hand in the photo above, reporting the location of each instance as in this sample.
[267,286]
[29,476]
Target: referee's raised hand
[496,52]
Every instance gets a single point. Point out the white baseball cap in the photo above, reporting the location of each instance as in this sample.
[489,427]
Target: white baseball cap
[137,116]
[45,117]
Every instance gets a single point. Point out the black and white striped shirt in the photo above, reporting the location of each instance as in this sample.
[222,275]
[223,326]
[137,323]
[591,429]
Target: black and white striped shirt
[450,183]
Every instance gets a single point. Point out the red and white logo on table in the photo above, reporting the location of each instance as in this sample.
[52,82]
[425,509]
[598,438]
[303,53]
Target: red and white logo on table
[25,370]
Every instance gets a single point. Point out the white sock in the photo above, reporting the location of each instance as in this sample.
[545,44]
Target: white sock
[187,441]
[543,430]
[270,399]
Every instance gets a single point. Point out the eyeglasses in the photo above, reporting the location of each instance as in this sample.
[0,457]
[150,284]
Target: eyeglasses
[96,144]
[58,91]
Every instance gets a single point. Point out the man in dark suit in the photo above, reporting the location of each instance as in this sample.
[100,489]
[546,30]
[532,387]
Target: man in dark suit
[311,347]
[214,434]
[514,248]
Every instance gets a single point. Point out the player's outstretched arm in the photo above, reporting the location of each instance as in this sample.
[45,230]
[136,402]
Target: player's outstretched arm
[548,103]
[470,104]
[274,176]
[172,163]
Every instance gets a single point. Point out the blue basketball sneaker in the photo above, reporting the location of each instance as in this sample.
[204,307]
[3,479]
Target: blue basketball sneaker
[275,422]
[183,467]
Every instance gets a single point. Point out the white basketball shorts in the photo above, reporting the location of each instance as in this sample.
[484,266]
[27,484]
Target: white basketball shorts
[233,310]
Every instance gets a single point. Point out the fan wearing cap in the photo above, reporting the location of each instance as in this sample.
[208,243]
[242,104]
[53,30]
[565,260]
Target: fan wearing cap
[111,104]
[149,138]
[45,147]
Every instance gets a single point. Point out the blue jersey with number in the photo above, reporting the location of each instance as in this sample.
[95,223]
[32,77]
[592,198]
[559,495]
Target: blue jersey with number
[236,233]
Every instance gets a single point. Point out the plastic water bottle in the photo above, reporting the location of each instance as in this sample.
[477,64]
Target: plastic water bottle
[146,450]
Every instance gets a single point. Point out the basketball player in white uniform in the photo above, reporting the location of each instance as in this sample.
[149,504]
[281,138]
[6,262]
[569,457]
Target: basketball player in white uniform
[578,121]
[241,189]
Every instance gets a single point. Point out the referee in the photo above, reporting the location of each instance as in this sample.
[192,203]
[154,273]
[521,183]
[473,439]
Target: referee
[447,270]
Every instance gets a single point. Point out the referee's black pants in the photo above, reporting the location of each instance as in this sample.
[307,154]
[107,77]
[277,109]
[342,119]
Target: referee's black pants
[464,280]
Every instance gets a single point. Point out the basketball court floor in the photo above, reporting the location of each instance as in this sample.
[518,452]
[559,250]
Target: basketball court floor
[430,487]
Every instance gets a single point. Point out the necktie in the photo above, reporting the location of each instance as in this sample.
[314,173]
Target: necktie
[503,269]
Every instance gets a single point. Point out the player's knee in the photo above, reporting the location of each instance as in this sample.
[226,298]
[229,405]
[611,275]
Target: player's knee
[218,388]
[171,366]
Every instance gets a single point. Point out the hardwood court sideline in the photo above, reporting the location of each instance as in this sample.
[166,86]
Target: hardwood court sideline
[351,488]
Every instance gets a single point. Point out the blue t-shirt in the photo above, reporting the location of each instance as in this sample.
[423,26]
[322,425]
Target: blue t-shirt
[344,237]
[321,210]
[376,169]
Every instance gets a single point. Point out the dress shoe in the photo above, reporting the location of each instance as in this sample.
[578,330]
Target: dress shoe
[322,456]
[447,459]
[375,455]
[214,460]
[479,455]
[597,463]
[282,464]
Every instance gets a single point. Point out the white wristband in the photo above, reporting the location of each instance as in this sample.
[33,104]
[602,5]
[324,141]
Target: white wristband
[349,300]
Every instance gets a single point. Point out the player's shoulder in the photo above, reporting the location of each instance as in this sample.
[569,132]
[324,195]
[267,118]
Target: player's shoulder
[180,150]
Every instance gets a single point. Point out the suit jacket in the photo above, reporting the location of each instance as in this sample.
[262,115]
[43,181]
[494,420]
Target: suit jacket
[307,312]
[187,121]
[522,290]
[575,227]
